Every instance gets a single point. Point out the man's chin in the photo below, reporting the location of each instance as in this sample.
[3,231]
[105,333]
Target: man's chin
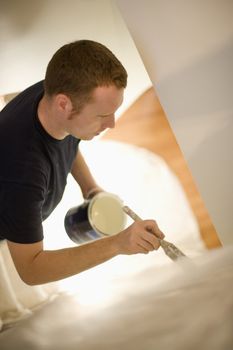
[88,138]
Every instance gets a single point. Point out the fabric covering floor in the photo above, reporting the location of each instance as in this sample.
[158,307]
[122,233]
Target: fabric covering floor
[185,305]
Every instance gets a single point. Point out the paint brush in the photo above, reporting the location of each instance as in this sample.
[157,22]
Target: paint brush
[170,249]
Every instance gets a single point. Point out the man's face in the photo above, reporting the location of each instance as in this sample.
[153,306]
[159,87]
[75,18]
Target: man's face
[97,115]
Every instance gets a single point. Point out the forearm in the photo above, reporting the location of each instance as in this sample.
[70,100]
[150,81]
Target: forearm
[49,266]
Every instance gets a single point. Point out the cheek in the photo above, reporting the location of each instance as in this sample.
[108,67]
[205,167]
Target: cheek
[87,123]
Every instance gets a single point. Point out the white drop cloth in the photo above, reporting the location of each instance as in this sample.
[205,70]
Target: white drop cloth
[187,305]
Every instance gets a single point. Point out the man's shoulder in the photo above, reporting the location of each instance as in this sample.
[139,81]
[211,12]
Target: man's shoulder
[33,89]
[31,94]
[17,128]
[28,98]
[21,109]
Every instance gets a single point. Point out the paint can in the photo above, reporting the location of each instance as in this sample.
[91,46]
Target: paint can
[98,217]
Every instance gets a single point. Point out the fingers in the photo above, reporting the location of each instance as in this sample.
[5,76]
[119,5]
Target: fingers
[152,227]
[142,249]
[141,237]
[146,247]
[148,236]
[150,241]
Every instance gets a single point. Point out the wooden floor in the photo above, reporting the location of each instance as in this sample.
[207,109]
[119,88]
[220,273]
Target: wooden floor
[145,124]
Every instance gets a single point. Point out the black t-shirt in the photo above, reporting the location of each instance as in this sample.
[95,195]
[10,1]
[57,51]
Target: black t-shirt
[33,168]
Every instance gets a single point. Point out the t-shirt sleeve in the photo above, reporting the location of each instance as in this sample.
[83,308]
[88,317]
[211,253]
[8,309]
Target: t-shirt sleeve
[21,213]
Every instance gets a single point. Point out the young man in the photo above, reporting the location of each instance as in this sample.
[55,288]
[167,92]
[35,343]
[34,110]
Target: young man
[40,131]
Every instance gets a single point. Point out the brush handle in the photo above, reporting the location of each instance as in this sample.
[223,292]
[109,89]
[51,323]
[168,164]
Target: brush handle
[169,248]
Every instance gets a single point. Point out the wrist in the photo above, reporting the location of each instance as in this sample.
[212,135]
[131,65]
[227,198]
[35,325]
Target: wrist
[114,245]
[92,192]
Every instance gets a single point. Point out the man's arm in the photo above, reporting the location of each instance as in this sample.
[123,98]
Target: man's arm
[83,176]
[37,266]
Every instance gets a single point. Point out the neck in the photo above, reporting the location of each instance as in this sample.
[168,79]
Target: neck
[49,119]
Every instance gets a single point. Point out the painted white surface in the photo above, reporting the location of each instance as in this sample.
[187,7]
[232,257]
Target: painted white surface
[187,48]
[31,31]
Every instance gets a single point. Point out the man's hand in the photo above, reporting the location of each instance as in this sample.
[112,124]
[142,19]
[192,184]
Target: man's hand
[140,237]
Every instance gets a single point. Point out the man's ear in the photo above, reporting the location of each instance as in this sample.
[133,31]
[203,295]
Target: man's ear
[64,104]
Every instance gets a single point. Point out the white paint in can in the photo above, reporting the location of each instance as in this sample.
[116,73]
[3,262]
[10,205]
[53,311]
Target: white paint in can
[105,213]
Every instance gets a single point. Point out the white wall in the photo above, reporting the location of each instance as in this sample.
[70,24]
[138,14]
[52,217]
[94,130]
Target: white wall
[31,31]
[187,48]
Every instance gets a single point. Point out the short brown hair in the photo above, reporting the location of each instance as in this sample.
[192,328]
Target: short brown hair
[79,67]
